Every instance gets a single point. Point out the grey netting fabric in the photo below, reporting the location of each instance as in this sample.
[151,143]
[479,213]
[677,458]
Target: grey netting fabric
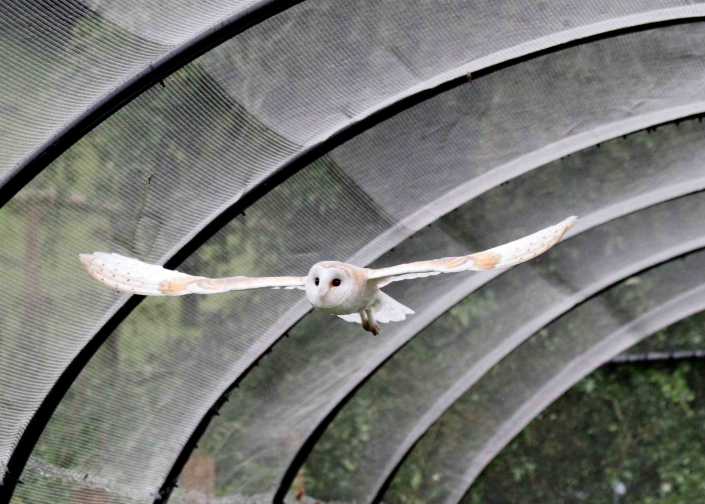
[146,180]
[404,157]
[610,436]
[172,23]
[451,354]
[67,55]
[148,387]
[135,185]
[472,330]
[53,484]
[296,386]
[496,408]
[360,57]
[60,57]
[487,131]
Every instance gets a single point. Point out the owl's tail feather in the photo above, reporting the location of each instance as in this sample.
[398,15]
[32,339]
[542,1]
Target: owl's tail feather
[387,309]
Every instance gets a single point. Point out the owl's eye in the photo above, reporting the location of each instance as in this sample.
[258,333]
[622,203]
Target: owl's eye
[336,282]
[316,281]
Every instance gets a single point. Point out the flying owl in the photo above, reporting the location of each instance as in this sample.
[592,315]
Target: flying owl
[341,289]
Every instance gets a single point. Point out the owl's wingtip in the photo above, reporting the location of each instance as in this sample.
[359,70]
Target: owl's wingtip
[88,262]
[85,259]
[571,221]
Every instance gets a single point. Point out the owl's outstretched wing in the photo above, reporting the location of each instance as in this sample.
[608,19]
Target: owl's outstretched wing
[130,275]
[499,257]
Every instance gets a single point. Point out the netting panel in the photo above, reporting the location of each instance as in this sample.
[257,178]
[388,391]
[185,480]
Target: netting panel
[164,166]
[613,433]
[136,186]
[423,163]
[471,338]
[304,378]
[360,56]
[61,57]
[496,408]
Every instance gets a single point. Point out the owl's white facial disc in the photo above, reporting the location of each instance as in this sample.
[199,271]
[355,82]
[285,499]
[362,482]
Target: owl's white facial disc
[328,287]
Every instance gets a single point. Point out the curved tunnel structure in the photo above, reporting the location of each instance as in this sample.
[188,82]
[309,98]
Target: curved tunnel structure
[613,336]
[260,137]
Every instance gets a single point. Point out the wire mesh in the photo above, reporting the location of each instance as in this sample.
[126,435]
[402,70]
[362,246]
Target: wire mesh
[493,411]
[471,336]
[61,57]
[304,378]
[166,164]
[611,436]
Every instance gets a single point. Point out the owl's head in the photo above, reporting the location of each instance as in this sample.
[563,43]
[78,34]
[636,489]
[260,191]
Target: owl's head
[329,284]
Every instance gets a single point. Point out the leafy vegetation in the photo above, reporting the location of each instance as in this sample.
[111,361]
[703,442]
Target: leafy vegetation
[628,433]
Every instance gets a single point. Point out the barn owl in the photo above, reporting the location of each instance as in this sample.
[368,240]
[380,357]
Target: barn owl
[350,292]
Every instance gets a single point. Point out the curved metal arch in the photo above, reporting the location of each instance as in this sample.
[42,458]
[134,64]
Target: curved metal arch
[668,313]
[218,34]
[441,305]
[678,355]
[517,338]
[571,38]
[38,160]
[420,220]
[123,94]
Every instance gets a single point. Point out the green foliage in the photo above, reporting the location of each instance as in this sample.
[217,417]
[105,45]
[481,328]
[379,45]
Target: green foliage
[639,425]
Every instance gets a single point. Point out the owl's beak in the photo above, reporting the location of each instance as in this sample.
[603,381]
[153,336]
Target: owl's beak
[323,293]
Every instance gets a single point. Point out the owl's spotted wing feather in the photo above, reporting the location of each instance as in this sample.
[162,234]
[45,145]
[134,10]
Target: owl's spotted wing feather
[499,257]
[130,275]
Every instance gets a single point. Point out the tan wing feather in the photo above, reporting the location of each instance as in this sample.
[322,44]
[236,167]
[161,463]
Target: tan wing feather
[131,275]
[499,257]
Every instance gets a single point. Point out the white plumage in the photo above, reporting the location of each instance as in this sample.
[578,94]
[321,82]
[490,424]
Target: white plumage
[338,288]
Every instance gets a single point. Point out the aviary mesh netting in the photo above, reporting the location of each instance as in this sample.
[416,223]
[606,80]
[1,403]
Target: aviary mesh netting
[258,137]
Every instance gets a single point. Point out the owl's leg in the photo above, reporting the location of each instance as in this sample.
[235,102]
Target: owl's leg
[365,321]
[372,323]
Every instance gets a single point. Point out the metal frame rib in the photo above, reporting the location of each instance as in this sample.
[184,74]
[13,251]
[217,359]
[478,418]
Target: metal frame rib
[660,317]
[179,57]
[478,370]
[658,356]
[123,94]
